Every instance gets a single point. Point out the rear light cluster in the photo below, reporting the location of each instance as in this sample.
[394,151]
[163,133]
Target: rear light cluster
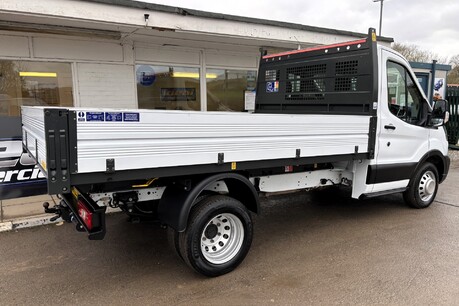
[85,214]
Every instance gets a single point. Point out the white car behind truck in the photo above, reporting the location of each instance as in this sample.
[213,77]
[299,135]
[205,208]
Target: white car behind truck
[350,113]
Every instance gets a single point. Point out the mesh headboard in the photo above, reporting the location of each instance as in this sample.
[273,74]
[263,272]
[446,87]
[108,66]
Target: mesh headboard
[336,79]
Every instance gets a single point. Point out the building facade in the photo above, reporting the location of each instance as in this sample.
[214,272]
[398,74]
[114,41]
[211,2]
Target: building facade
[431,77]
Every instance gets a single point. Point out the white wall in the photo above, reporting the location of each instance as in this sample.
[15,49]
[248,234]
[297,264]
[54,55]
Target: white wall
[169,55]
[14,46]
[76,49]
[106,85]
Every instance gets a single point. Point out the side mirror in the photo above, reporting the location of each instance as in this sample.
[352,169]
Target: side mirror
[440,113]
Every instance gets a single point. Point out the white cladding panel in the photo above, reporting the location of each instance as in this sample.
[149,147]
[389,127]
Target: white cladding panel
[300,180]
[231,60]
[166,55]
[172,138]
[14,46]
[106,85]
[53,48]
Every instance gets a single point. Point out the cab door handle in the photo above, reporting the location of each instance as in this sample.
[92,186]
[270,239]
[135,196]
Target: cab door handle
[389,127]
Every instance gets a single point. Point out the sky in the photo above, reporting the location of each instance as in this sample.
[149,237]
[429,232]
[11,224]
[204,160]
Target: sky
[432,25]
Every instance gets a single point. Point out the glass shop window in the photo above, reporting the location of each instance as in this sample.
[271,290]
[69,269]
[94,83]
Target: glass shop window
[226,89]
[168,87]
[33,84]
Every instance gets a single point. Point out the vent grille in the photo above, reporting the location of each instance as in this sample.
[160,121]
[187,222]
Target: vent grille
[306,82]
[307,71]
[346,84]
[315,85]
[348,67]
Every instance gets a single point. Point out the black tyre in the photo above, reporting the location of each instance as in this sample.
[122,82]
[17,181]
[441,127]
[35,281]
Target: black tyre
[423,187]
[173,235]
[218,236]
[173,240]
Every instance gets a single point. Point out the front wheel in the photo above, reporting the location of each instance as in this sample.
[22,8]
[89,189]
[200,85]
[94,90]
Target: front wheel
[218,236]
[423,187]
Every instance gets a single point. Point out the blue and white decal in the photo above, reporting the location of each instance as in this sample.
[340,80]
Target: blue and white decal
[94,116]
[112,116]
[83,116]
[132,117]
[19,174]
[272,86]
[146,76]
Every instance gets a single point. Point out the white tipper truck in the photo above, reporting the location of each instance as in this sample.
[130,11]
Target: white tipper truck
[345,114]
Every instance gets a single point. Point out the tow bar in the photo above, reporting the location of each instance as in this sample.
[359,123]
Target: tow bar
[81,210]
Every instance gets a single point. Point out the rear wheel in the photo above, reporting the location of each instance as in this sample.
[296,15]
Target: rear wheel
[173,235]
[423,187]
[218,236]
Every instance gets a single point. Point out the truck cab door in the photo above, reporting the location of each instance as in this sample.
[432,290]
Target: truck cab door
[403,137]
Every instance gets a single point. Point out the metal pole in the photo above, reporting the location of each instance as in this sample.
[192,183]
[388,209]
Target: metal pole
[432,81]
[380,17]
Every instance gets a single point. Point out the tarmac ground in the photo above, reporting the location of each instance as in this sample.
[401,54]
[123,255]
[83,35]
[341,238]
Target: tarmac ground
[316,248]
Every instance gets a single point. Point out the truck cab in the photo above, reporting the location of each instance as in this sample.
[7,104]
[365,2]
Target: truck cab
[407,134]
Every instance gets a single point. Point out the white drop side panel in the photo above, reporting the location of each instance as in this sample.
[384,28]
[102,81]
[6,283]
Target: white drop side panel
[33,133]
[179,138]
[106,85]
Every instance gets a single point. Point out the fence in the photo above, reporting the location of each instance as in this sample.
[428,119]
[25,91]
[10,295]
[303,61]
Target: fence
[452,95]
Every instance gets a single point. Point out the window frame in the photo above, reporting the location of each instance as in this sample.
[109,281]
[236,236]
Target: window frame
[420,122]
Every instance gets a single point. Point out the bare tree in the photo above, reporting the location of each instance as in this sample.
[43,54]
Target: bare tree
[9,77]
[414,53]
[453,75]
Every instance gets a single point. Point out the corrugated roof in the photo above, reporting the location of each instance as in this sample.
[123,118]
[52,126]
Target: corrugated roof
[204,14]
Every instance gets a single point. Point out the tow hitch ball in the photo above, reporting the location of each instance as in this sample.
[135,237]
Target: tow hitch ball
[61,210]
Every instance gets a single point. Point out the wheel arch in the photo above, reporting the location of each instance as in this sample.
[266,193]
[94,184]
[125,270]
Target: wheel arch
[436,158]
[178,199]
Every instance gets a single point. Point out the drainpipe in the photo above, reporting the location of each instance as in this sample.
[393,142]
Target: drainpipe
[432,80]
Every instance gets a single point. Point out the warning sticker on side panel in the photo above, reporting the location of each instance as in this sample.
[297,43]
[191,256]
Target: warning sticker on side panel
[110,116]
[134,117]
[81,116]
[94,116]
[272,86]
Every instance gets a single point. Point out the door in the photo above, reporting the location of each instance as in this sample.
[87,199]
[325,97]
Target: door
[423,79]
[403,138]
